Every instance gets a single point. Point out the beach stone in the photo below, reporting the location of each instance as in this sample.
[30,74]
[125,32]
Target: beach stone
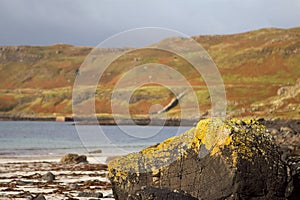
[159,194]
[73,159]
[28,197]
[287,135]
[40,197]
[96,151]
[20,182]
[232,159]
[33,176]
[49,177]
[74,186]
[90,194]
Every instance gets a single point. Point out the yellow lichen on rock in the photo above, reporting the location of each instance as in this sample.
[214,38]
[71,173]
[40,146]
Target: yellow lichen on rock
[153,157]
[212,133]
[157,147]
[226,152]
[236,135]
[248,138]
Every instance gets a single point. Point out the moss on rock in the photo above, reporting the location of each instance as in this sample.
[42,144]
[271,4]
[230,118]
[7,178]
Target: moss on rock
[236,151]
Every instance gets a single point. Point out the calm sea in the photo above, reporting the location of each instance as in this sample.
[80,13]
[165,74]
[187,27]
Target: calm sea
[55,138]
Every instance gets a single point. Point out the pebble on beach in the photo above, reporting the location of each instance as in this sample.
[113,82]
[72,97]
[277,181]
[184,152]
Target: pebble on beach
[73,159]
[49,177]
[53,180]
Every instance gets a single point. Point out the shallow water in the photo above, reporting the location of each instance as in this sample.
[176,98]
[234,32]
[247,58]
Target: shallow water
[55,138]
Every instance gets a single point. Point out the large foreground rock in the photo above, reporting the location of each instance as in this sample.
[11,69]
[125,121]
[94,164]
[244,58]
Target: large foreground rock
[235,159]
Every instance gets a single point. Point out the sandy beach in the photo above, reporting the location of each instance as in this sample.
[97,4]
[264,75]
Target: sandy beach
[29,150]
[25,177]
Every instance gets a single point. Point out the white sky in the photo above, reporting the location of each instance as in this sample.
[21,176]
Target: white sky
[88,22]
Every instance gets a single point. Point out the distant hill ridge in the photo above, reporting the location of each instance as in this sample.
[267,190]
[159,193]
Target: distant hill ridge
[38,80]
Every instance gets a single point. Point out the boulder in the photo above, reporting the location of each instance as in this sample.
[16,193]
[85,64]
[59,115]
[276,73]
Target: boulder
[232,159]
[49,177]
[73,159]
[90,194]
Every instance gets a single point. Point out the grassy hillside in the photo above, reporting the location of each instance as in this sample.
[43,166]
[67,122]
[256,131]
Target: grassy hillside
[259,68]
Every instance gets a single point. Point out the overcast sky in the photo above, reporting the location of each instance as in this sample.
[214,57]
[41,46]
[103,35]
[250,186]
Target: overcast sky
[88,22]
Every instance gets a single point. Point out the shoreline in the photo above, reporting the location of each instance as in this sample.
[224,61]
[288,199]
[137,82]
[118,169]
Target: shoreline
[141,121]
[21,175]
[93,159]
[110,121]
[24,178]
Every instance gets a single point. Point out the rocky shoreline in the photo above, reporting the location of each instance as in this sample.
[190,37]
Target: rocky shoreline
[54,180]
[206,163]
[106,120]
[271,123]
[73,178]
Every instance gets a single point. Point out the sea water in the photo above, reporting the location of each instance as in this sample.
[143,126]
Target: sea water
[57,138]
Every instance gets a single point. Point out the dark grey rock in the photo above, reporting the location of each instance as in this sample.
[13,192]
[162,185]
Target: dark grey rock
[90,194]
[40,197]
[96,151]
[19,182]
[287,136]
[49,177]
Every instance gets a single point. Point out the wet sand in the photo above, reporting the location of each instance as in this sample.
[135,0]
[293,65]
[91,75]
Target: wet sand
[24,178]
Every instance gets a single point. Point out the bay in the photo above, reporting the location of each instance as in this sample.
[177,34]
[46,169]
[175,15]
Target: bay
[57,138]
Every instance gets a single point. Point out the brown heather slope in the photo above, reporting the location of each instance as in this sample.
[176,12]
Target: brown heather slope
[259,68]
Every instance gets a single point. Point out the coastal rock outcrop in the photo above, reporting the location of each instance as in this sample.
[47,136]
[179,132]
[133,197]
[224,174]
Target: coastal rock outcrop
[232,159]
[73,159]
[293,189]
